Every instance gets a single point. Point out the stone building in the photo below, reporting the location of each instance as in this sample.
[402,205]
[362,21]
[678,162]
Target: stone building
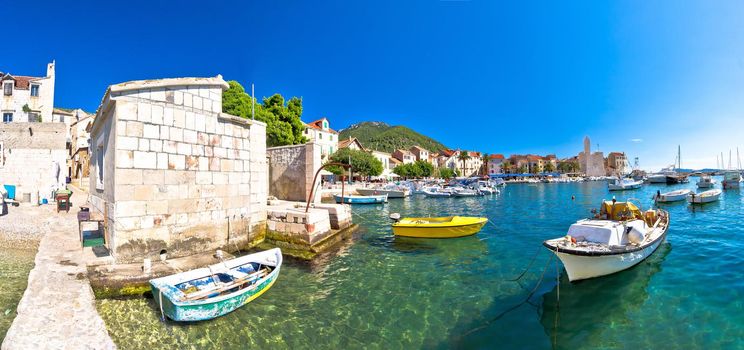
[494,164]
[420,153]
[405,156]
[592,164]
[79,147]
[616,163]
[27,98]
[170,171]
[320,133]
[32,158]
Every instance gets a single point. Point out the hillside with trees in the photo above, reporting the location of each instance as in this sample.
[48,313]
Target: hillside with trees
[383,137]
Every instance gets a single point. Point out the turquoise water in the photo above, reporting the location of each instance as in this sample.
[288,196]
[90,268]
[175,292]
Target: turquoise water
[14,268]
[389,293]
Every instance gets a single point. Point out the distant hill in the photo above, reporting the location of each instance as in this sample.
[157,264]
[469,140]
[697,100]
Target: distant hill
[383,137]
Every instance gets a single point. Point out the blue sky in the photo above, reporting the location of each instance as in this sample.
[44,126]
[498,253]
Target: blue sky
[636,76]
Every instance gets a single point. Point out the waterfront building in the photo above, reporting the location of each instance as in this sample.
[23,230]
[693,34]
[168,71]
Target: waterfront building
[405,156]
[171,173]
[615,163]
[351,143]
[27,98]
[79,155]
[387,164]
[320,133]
[420,153]
[434,159]
[494,164]
[471,166]
[592,164]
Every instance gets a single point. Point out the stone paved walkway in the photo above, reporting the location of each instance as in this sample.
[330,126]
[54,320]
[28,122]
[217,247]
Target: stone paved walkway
[58,310]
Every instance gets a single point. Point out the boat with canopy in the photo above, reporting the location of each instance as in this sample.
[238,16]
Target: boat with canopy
[620,236]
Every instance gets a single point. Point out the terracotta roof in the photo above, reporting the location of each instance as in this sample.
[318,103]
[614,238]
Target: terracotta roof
[474,154]
[448,152]
[419,148]
[345,143]
[534,157]
[616,154]
[395,161]
[318,125]
[22,82]
[404,151]
[496,156]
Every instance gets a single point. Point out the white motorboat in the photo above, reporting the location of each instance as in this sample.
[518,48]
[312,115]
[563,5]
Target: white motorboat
[617,238]
[705,197]
[731,179]
[390,191]
[434,192]
[623,184]
[499,182]
[656,178]
[706,181]
[466,192]
[674,196]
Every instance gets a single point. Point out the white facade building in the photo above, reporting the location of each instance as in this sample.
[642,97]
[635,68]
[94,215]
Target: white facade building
[27,98]
[387,164]
[320,133]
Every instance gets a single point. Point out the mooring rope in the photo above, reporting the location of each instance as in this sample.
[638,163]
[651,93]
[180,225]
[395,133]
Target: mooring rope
[160,296]
[528,266]
[532,292]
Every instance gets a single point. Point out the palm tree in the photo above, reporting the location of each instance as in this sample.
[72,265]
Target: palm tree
[463,156]
[548,167]
[505,167]
[484,164]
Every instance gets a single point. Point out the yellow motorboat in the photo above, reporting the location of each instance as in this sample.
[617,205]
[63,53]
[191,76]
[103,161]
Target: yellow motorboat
[441,227]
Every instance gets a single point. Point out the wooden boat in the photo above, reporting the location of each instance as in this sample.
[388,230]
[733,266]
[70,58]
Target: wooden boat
[704,197]
[361,199]
[617,238]
[674,196]
[216,290]
[706,181]
[624,184]
[438,227]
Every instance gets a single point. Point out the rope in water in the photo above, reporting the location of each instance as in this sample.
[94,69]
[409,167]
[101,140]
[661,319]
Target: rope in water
[532,292]
[528,266]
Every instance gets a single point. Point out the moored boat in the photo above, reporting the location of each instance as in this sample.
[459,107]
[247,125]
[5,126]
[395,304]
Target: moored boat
[390,191]
[438,227]
[706,181]
[704,197]
[466,192]
[213,291]
[731,179]
[617,238]
[361,199]
[436,193]
[673,196]
[624,184]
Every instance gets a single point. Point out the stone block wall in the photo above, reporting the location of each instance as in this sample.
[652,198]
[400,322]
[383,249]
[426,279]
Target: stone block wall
[291,171]
[28,153]
[187,177]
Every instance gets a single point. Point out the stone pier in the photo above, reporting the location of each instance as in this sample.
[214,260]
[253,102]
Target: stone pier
[57,310]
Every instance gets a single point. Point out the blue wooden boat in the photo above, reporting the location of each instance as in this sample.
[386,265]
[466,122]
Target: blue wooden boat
[362,199]
[216,290]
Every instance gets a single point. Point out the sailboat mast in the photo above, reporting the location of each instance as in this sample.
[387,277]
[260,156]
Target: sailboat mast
[679,157]
[729,165]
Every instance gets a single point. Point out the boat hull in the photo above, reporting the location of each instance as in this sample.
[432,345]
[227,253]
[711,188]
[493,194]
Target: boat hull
[377,192]
[453,231]
[171,302]
[210,310]
[579,267]
[361,200]
[730,184]
[666,197]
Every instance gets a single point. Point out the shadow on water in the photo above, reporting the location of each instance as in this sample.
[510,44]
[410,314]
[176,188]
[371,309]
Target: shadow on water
[587,308]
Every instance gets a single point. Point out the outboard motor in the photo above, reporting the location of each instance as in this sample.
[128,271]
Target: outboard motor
[395,217]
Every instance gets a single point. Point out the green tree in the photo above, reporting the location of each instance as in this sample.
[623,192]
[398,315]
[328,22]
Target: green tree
[484,164]
[283,121]
[522,169]
[362,163]
[447,173]
[463,157]
[548,168]
[506,167]
[424,168]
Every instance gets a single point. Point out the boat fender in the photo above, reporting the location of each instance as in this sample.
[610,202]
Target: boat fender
[570,240]
[635,236]
[395,217]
